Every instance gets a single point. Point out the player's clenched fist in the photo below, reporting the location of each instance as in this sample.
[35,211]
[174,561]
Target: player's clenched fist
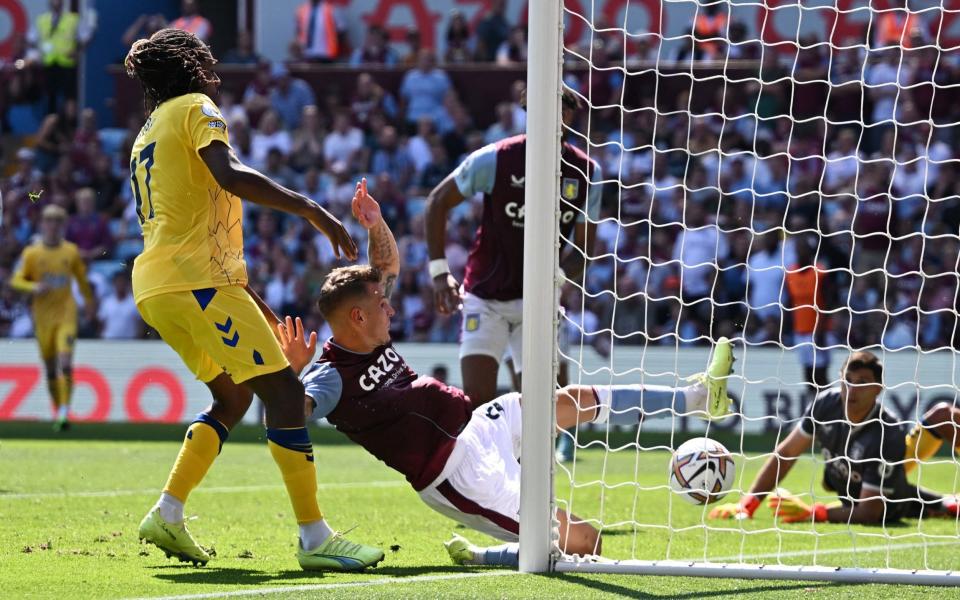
[791,509]
[743,509]
[446,293]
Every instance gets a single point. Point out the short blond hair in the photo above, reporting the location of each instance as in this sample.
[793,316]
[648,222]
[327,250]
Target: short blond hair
[345,283]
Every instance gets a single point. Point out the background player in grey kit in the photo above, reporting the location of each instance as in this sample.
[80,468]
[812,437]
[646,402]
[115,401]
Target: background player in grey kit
[865,450]
[493,283]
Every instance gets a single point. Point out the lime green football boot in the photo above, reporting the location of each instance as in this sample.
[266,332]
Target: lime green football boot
[459,550]
[717,403]
[172,538]
[338,553]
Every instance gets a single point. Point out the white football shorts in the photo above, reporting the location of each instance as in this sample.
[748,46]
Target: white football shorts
[480,484]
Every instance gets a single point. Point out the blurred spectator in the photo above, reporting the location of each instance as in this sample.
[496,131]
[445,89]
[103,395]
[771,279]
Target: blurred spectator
[843,162]
[513,50]
[321,31]
[709,28]
[459,40]
[88,229]
[414,44]
[504,127]
[764,280]
[243,53]
[375,49]
[344,142]
[423,89]
[268,136]
[434,171]
[697,250]
[24,106]
[275,167]
[256,96]
[289,95]
[418,146]
[143,27]
[898,26]
[191,20]
[117,312]
[59,35]
[392,158]
[807,283]
[307,149]
[492,31]
[369,98]
[56,135]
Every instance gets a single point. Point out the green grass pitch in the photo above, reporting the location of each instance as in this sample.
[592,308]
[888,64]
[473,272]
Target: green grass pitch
[69,510]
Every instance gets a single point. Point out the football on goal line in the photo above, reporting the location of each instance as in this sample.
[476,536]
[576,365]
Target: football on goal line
[702,471]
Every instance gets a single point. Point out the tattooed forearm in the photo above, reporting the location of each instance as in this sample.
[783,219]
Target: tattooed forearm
[383,253]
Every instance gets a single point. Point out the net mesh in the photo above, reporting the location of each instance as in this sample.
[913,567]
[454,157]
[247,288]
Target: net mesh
[783,174]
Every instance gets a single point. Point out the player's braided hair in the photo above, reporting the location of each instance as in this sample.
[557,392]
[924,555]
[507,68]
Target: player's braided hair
[345,283]
[171,63]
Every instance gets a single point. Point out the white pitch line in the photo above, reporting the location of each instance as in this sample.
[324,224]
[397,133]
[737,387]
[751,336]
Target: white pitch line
[798,553]
[229,489]
[329,586]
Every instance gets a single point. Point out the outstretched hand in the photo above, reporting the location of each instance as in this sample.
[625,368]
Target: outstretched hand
[365,209]
[296,345]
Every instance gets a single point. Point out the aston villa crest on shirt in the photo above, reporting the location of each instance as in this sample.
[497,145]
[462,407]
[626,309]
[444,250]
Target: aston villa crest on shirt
[569,188]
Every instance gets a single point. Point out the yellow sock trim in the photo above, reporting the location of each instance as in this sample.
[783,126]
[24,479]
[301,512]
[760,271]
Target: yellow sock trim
[300,478]
[921,446]
[200,447]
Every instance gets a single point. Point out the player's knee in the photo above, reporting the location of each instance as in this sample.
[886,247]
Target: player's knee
[585,539]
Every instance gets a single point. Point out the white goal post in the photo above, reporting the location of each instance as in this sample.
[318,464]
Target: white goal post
[767,370]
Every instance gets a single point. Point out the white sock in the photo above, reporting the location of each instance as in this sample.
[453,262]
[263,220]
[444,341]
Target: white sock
[696,397]
[63,411]
[314,534]
[171,509]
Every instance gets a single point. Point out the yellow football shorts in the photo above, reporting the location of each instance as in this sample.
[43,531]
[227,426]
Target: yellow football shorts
[55,338]
[216,330]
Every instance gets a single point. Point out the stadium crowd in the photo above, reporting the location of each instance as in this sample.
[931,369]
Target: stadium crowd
[738,184]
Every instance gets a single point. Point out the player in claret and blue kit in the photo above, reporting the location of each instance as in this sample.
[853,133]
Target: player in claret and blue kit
[461,459]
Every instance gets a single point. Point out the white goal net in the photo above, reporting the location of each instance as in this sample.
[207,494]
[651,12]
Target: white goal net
[784,174]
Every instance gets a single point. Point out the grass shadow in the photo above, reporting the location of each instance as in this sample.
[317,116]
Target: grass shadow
[741,591]
[183,574]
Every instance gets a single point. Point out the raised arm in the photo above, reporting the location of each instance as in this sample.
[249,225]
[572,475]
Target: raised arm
[247,183]
[381,246]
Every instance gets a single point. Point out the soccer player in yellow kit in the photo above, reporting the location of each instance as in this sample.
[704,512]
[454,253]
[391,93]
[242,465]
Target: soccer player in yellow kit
[46,270]
[190,284]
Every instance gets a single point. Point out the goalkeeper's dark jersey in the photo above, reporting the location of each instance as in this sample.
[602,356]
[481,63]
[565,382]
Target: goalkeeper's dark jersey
[866,455]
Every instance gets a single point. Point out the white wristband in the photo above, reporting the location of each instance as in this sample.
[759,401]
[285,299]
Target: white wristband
[438,266]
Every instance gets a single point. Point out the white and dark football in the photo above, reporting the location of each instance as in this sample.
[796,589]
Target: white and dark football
[702,471]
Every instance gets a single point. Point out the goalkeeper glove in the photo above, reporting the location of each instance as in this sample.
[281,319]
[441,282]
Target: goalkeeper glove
[791,509]
[743,509]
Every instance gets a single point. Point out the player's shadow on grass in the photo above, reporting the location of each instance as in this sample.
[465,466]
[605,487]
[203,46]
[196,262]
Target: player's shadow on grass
[741,591]
[230,575]
[237,576]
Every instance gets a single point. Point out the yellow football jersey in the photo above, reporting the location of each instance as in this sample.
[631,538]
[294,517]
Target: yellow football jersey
[55,266]
[192,228]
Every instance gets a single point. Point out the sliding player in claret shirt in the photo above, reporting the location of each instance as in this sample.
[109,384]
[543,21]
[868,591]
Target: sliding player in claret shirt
[867,454]
[190,284]
[461,459]
[492,299]
[46,271]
